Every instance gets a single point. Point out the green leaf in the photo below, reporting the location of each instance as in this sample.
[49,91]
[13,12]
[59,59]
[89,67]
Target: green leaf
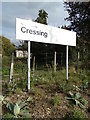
[7,99]
[25,114]
[77,95]
[71,94]
[29,99]
[68,98]
[77,88]
[83,101]
[1,98]
[28,115]
[81,105]
[20,104]
[10,106]
[16,109]
[7,116]
[4,102]
[77,102]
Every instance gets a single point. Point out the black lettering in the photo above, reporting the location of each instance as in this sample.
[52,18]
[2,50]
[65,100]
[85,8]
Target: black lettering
[45,35]
[34,32]
[38,33]
[30,31]
[23,29]
[42,33]
[27,31]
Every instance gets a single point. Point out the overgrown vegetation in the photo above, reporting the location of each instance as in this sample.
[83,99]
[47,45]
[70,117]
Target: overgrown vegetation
[48,89]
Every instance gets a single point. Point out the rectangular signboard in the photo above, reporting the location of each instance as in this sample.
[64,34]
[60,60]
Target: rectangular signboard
[33,31]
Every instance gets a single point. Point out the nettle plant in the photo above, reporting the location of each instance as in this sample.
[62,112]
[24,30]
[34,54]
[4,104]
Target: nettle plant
[77,99]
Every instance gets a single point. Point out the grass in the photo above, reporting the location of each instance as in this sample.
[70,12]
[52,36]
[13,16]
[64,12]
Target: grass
[56,100]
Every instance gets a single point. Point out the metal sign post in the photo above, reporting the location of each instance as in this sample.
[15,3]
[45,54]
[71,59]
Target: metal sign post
[67,62]
[28,66]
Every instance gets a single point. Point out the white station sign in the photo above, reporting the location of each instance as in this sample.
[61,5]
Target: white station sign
[33,31]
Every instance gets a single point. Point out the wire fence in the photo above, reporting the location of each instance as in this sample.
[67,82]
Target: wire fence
[44,59]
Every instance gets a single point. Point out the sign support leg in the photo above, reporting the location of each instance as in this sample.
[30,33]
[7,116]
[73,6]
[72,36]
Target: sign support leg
[28,66]
[67,62]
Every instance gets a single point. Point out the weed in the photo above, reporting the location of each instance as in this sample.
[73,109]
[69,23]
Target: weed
[51,74]
[11,86]
[64,86]
[7,116]
[18,90]
[22,84]
[5,71]
[85,84]
[77,99]
[37,79]
[56,100]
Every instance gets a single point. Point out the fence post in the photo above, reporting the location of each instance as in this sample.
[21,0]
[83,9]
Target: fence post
[11,69]
[61,58]
[33,65]
[55,61]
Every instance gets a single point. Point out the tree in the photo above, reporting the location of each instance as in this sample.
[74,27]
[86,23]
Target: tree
[79,17]
[42,17]
[7,47]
